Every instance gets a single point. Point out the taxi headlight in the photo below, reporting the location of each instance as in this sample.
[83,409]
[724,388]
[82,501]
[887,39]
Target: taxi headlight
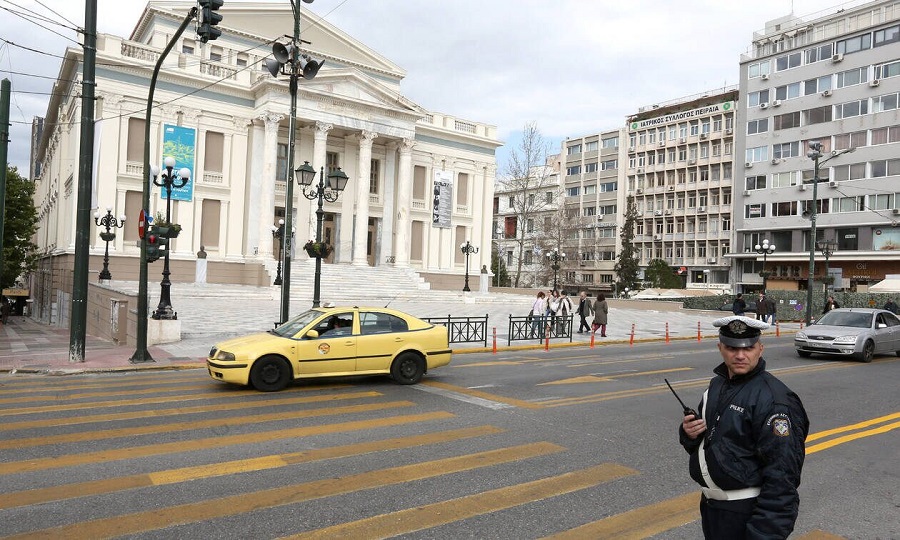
[801,335]
[845,340]
[224,356]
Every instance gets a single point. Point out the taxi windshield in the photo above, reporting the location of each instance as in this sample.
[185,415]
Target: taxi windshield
[301,321]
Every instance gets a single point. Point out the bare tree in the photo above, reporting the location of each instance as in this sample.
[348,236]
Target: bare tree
[527,178]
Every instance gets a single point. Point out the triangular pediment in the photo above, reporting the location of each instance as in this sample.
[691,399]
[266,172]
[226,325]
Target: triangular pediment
[353,86]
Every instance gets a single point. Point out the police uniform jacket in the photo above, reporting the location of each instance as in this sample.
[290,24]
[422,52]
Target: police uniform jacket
[755,437]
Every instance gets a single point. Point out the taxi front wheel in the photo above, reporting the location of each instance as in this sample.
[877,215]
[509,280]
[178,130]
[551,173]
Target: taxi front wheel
[270,374]
[408,368]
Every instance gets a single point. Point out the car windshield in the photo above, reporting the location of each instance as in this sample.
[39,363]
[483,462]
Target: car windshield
[292,326]
[846,318]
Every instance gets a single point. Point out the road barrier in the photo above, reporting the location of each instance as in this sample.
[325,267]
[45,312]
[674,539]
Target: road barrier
[539,328]
[463,329]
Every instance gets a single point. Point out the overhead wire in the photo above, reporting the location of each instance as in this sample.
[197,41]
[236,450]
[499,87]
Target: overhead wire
[31,19]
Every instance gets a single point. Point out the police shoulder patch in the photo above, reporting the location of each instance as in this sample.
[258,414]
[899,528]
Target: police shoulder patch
[781,424]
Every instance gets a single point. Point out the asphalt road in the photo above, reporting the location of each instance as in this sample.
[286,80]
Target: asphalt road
[567,443]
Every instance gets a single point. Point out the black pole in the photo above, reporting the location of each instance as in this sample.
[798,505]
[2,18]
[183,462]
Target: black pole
[165,311]
[320,219]
[141,354]
[78,324]
[466,286]
[278,234]
[109,222]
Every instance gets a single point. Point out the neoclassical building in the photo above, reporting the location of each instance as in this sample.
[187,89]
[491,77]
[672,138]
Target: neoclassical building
[226,119]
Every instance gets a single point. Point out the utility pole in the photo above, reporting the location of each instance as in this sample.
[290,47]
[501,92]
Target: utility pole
[5,91]
[78,323]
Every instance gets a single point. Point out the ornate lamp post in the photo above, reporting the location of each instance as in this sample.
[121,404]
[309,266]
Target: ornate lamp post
[554,257]
[278,235]
[626,293]
[468,249]
[815,154]
[168,181]
[110,222]
[330,192]
[765,249]
[827,247]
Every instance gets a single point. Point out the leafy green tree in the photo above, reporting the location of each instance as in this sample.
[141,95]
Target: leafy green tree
[661,275]
[498,268]
[19,226]
[627,264]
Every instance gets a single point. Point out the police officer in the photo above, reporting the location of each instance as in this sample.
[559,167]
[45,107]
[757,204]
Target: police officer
[747,445]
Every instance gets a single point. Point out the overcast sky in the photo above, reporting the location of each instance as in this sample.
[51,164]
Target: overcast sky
[572,67]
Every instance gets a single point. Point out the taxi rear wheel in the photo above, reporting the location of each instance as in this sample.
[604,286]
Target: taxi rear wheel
[270,374]
[408,368]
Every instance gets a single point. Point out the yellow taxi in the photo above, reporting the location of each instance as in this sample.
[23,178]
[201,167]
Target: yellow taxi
[333,341]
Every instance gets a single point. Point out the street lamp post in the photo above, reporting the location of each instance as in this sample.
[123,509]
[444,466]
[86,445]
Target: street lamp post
[827,247]
[330,192]
[467,249]
[278,235]
[765,249]
[815,154]
[554,257]
[110,222]
[626,293]
[168,181]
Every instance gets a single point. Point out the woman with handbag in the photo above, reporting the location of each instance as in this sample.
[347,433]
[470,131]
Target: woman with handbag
[601,310]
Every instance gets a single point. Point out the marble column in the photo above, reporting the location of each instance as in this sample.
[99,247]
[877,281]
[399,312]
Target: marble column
[267,189]
[364,170]
[404,203]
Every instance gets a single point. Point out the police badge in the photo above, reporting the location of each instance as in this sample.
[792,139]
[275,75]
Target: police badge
[781,427]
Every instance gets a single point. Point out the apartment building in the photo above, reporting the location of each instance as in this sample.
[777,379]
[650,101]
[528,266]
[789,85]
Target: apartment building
[832,79]
[679,171]
[592,206]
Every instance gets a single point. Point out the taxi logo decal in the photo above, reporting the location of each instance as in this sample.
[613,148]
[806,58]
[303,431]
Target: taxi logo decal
[324,348]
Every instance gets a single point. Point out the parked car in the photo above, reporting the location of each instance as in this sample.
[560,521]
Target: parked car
[751,307]
[335,341]
[859,332]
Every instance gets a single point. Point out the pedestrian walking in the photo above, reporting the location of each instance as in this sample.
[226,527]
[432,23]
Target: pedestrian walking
[601,310]
[739,306]
[830,304]
[891,306]
[584,311]
[4,310]
[563,313]
[537,315]
[762,308]
[552,307]
[747,443]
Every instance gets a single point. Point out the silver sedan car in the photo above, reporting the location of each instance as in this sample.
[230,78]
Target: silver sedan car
[857,332]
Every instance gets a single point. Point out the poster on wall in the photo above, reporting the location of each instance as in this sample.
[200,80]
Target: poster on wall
[886,240]
[180,143]
[443,191]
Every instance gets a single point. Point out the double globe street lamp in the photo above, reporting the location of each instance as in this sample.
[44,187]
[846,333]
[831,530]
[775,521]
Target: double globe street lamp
[468,249]
[168,180]
[322,192]
[278,235]
[765,249]
[110,222]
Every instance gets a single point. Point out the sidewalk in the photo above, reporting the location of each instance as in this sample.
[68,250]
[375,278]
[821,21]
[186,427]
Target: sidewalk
[29,346]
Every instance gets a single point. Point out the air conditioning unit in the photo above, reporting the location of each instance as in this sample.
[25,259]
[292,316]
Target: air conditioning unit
[897,211]
[802,187]
[704,135]
[748,165]
[662,143]
[630,149]
[746,193]
[640,190]
[774,161]
[826,93]
[600,217]
[874,82]
[833,183]
[692,162]
[764,105]
[668,212]
[837,57]
[657,237]
[765,76]
[682,140]
[701,209]
[671,188]
[657,213]
[711,260]
[729,131]
[776,103]
[640,170]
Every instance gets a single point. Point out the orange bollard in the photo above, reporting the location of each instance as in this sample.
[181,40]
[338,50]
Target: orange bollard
[631,341]
[495,340]
[592,340]
[667,333]
[698,332]
[547,339]
[777,330]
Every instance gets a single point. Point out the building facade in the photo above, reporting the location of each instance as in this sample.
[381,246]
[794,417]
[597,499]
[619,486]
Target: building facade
[680,172]
[833,81]
[226,118]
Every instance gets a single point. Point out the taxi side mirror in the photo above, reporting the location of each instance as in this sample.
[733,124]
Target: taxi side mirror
[312,334]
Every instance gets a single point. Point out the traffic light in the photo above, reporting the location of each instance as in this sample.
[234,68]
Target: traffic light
[152,240]
[208,19]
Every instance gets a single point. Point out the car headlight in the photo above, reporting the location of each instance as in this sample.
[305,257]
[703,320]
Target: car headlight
[800,335]
[224,356]
[845,340]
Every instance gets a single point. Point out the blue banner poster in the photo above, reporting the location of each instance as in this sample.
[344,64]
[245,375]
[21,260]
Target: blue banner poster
[180,143]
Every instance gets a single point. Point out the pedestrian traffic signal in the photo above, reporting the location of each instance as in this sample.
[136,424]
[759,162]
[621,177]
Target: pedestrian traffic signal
[152,245]
[208,19]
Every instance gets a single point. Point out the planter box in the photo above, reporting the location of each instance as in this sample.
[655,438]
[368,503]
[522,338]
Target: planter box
[317,249]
